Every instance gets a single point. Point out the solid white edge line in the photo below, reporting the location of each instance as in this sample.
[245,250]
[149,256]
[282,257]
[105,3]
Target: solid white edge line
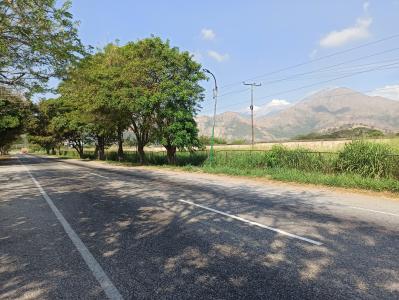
[376,211]
[110,290]
[254,223]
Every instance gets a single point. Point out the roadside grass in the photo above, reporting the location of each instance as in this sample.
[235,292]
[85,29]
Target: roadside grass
[292,175]
[394,143]
[348,181]
[360,164]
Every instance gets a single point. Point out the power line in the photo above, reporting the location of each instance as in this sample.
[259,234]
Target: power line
[332,66]
[320,82]
[316,59]
[234,92]
[343,71]
[316,71]
[317,83]
[326,81]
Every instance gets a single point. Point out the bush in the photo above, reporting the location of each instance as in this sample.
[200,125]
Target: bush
[206,140]
[300,159]
[240,159]
[239,142]
[195,158]
[277,157]
[367,159]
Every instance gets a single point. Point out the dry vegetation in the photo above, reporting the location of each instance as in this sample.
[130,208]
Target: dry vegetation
[323,146]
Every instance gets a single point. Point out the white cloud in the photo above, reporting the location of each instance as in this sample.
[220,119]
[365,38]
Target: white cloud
[278,102]
[218,56]
[388,91]
[208,34]
[359,31]
[272,106]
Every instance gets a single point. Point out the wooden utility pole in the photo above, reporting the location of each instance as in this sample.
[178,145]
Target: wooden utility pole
[252,84]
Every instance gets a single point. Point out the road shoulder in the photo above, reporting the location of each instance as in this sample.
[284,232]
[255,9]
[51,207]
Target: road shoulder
[257,181]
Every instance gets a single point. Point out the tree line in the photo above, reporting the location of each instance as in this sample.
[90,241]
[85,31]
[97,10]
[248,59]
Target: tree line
[147,87]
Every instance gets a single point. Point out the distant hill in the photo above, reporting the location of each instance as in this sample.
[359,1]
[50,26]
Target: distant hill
[351,133]
[325,111]
[231,126]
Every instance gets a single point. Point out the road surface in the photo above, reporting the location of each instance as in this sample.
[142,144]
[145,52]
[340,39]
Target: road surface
[85,230]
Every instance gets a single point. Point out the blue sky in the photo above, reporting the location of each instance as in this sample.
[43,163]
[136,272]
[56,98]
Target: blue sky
[239,40]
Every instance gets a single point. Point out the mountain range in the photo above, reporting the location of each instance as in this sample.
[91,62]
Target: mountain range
[324,111]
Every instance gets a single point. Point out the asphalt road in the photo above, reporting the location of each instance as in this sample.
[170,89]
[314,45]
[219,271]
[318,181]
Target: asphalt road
[85,230]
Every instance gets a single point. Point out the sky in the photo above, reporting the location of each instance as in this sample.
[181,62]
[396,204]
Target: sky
[341,43]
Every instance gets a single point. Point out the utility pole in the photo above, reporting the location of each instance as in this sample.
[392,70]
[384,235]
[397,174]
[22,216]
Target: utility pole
[252,84]
[215,98]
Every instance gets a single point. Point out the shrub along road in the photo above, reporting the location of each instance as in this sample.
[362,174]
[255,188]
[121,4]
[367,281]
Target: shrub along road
[73,229]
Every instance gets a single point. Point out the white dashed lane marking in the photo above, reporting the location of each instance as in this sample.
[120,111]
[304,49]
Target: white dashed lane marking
[255,223]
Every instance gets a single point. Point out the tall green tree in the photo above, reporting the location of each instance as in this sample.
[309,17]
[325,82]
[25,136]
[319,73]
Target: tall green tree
[72,128]
[41,130]
[14,113]
[138,84]
[55,122]
[147,85]
[109,106]
[179,97]
[89,88]
[161,88]
[38,40]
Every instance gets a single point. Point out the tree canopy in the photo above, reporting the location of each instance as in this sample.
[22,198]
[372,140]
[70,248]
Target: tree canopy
[14,113]
[38,40]
[146,86]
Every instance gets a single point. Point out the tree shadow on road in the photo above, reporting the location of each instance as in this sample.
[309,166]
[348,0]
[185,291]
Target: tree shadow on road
[153,246]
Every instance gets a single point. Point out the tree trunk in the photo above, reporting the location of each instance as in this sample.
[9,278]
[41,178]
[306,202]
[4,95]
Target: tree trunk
[53,151]
[140,151]
[48,151]
[171,154]
[81,152]
[101,148]
[120,145]
[142,140]
[96,152]
[101,153]
[79,147]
